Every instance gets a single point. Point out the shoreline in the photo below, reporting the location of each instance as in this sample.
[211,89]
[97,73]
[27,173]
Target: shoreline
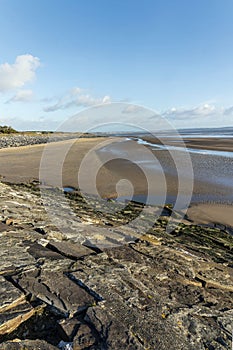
[22,164]
[202,143]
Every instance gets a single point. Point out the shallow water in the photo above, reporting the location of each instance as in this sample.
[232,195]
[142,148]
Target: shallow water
[68,189]
[226,154]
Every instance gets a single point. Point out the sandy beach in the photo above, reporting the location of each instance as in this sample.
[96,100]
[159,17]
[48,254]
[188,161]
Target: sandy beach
[22,164]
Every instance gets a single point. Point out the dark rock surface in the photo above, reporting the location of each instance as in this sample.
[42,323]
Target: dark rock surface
[55,289]
[153,291]
[27,345]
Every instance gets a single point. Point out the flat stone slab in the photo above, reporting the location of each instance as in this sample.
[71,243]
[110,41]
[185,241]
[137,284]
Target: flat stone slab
[14,309]
[27,345]
[68,328]
[70,250]
[84,338]
[150,291]
[112,331]
[39,252]
[9,295]
[13,252]
[4,227]
[55,289]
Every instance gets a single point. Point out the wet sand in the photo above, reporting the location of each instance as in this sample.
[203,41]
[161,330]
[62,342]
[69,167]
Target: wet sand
[212,175]
[201,143]
[204,213]
[214,143]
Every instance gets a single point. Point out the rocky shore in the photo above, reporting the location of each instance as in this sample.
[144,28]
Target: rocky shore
[158,291]
[17,140]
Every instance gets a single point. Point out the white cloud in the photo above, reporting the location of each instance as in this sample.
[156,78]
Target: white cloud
[16,75]
[205,115]
[132,109]
[22,96]
[204,110]
[76,91]
[76,98]
[106,99]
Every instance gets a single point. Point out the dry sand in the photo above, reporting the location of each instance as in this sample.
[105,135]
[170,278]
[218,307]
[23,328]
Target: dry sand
[22,164]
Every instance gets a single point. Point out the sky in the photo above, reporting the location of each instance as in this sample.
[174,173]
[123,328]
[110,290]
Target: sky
[60,57]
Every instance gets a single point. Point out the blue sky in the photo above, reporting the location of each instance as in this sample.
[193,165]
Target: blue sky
[58,57]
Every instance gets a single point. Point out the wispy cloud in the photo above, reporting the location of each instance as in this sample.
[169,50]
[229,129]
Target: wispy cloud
[131,108]
[76,97]
[202,115]
[22,96]
[16,75]
[228,111]
[195,112]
